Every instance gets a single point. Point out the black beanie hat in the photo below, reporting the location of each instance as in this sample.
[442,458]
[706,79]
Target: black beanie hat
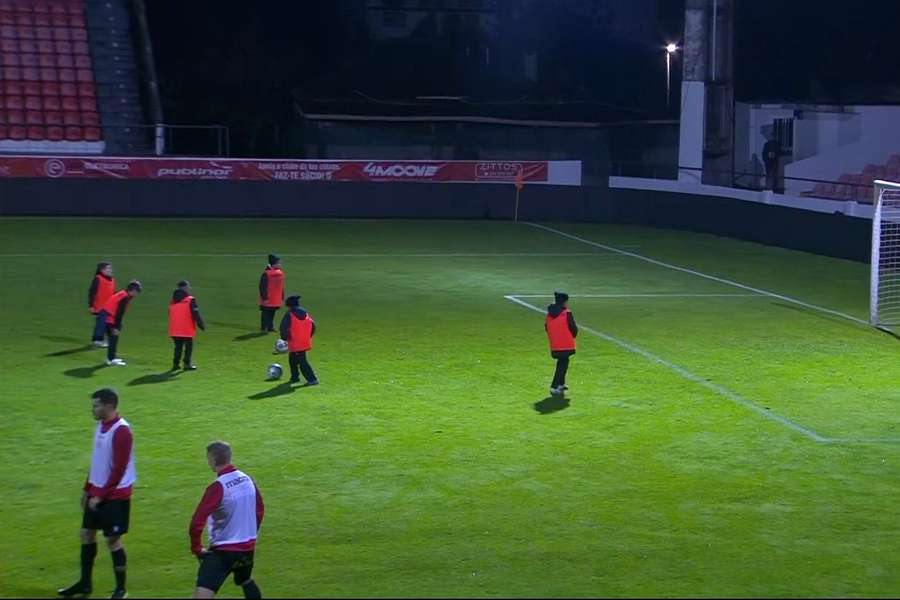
[292,301]
[560,297]
[102,265]
[273,259]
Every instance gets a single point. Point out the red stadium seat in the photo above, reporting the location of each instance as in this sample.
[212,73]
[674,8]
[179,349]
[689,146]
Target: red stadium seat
[7,18]
[65,61]
[17,132]
[75,9]
[48,74]
[86,90]
[79,35]
[24,20]
[57,9]
[68,89]
[49,88]
[59,20]
[53,118]
[43,33]
[10,60]
[52,103]
[67,75]
[34,117]
[28,60]
[4,132]
[87,105]
[25,32]
[42,20]
[8,46]
[43,46]
[92,134]
[15,117]
[41,7]
[12,73]
[71,118]
[84,76]
[74,134]
[55,134]
[45,61]
[30,74]
[61,34]
[8,31]
[63,47]
[15,102]
[80,48]
[70,103]
[13,88]
[33,103]
[35,133]
[31,88]
[83,62]
[77,21]
[90,118]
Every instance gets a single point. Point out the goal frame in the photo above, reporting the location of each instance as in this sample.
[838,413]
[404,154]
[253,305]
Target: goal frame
[879,186]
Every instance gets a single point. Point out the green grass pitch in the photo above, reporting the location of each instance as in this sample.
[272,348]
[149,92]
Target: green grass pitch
[731,443]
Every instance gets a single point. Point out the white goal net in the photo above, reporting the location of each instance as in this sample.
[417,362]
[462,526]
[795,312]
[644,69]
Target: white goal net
[884,303]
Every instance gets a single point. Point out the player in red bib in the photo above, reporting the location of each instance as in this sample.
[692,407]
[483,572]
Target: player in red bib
[102,287]
[271,293]
[297,329]
[184,319]
[110,317]
[107,493]
[232,512]
[561,332]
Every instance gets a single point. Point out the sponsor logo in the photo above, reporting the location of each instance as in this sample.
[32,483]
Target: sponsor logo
[208,172]
[54,168]
[397,170]
[237,481]
[106,166]
[497,170]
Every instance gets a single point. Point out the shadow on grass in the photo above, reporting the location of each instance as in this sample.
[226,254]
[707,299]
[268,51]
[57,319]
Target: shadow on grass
[250,336]
[83,372]
[223,324]
[67,339]
[551,404]
[282,389]
[78,350]
[154,378]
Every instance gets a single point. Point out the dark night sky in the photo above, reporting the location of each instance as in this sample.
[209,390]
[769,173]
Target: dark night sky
[245,66]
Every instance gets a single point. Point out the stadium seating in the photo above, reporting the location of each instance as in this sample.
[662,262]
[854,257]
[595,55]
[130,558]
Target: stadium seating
[858,186]
[48,98]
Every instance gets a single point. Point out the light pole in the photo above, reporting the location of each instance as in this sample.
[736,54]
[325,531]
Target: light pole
[670,50]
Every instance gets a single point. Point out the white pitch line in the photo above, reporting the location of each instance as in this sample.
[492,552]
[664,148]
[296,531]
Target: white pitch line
[315,255]
[700,274]
[722,391]
[644,295]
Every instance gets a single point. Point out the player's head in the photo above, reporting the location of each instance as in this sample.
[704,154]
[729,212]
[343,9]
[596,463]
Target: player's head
[292,301]
[218,454]
[134,288]
[274,261]
[104,402]
[185,285]
[561,298]
[104,268]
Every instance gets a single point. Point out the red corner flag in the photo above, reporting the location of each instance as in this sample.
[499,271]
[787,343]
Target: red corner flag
[520,181]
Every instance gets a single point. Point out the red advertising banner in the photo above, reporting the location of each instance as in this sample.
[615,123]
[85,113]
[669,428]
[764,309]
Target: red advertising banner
[276,170]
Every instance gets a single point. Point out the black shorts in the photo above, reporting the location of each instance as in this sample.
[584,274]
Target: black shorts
[215,567]
[557,354]
[111,516]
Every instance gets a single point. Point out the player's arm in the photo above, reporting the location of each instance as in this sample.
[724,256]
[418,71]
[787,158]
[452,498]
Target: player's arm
[264,286]
[195,314]
[122,444]
[573,328]
[211,499]
[313,332]
[92,292]
[284,329]
[260,508]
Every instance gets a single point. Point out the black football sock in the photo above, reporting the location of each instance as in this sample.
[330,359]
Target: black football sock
[119,560]
[88,553]
[251,590]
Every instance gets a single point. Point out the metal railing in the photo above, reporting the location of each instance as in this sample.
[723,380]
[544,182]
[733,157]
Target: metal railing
[845,191]
[173,140]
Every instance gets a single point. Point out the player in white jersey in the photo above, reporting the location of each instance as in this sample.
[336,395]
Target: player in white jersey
[107,493]
[231,510]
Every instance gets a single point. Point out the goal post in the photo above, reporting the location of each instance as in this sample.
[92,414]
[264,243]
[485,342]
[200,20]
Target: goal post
[884,291]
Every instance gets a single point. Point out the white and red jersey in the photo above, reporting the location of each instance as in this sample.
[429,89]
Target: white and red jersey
[112,473]
[231,510]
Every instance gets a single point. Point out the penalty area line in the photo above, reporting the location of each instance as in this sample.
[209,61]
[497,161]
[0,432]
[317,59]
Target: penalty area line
[684,373]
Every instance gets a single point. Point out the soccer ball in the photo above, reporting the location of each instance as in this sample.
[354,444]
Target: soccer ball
[274,371]
[281,346]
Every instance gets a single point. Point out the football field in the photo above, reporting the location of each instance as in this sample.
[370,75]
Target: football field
[732,427]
